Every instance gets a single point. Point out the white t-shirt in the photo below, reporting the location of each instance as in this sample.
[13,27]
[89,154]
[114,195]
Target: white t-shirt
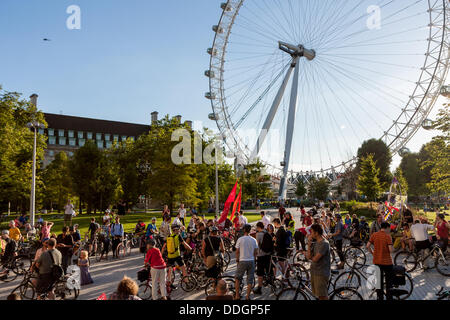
[182,213]
[243,220]
[68,209]
[247,246]
[419,231]
[265,220]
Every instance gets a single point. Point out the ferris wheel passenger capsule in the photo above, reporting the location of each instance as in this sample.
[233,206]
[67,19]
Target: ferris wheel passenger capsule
[212,52]
[404,151]
[226,7]
[209,73]
[213,117]
[427,124]
[217,29]
[210,96]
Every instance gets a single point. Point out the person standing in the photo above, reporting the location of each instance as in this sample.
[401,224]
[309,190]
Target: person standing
[281,212]
[281,243]
[65,246]
[319,254]
[381,241]
[8,253]
[265,245]
[246,252]
[443,228]
[265,219]
[376,225]
[117,234]
[14,232]
[338,238]
[68,213]
[121,208]
[155,261]
[210,247]
[182,212]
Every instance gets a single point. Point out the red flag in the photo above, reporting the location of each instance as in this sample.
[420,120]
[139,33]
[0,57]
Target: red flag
[238,201]
[102,297]
[228,203]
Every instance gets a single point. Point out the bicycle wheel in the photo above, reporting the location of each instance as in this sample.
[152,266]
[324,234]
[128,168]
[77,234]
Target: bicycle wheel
[64,293]
[292,294]
[297,273]
[121,251]
[407,289]
[355,257]
[226,260]
[98,251]
[128,248]
[27,291]
[10,276]
[210,288]
[227,244]
[202,279]
[188,283]
[345,294]
[442,265]
[276,286]
[406,259]
[21,264]
[145,291]
[347,280]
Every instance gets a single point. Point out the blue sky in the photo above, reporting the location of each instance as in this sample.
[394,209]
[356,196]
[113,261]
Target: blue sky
[129,58]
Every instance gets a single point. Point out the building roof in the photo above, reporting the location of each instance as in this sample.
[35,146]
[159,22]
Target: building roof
[56,121]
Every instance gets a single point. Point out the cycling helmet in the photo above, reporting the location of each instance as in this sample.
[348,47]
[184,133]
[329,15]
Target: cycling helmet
[175,227]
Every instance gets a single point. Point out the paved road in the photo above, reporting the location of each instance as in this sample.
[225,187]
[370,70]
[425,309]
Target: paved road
[107,275]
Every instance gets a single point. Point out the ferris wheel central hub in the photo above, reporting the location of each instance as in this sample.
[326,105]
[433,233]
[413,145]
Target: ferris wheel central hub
[297,51]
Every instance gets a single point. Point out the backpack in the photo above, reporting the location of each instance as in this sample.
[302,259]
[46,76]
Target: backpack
[267,243]
[172,246]
[56,270]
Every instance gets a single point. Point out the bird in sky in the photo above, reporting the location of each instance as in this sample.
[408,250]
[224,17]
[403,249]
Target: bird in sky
[45,39]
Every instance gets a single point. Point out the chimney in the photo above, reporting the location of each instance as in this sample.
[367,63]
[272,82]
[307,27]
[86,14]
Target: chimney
[189,123]
[33,99]
[178,118]
[154,117]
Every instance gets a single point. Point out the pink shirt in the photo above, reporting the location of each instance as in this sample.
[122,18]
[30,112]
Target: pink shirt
[45,232]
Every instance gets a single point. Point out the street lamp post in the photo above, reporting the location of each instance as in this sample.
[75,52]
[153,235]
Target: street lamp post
[35,125]
[217,185]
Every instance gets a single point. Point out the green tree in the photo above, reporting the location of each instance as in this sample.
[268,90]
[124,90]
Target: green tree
[319,188]
[255,183]
[381,156]
[58,182]
[368,182]
[301,189]
[401,180]
[16,150]
[439,154]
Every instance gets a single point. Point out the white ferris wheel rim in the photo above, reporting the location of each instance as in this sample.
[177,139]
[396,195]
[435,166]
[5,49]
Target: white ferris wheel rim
[416,110]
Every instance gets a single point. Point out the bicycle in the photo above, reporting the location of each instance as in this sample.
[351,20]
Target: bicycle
[124,247]
[443,295]
[410,260]
[145,289]
[352,279]
[304,292]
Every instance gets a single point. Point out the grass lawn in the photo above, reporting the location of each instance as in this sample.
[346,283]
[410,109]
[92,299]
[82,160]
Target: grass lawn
[129,221]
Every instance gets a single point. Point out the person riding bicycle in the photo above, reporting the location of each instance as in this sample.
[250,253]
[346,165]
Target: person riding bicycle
[151,229]
[211,247]
[419,232]
[265,250]
[139,229]
[8,253]
[45,264]
[172,245]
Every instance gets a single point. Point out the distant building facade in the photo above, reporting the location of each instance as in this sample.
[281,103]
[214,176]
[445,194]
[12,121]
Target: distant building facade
[68,133]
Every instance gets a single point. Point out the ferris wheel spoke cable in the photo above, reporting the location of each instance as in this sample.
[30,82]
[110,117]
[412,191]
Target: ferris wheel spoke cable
[253,106]
[250,25]
[360,44]
[343,86]
[369,84]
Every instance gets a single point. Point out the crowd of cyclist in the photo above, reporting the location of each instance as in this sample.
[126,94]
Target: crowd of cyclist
[174,243]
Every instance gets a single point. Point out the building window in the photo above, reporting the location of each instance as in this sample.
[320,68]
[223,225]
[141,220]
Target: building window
[72,142]
[116,137]
[124,138]
[100,144]
[99,136]
[107,137]
[81,142]
[70,154]
[89,135]
[61,133]
[41,131]
[71,134]
[80,135]
[51,153]
[108,144]
[51,132]
[51,140]
[62,141]
[132,138]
